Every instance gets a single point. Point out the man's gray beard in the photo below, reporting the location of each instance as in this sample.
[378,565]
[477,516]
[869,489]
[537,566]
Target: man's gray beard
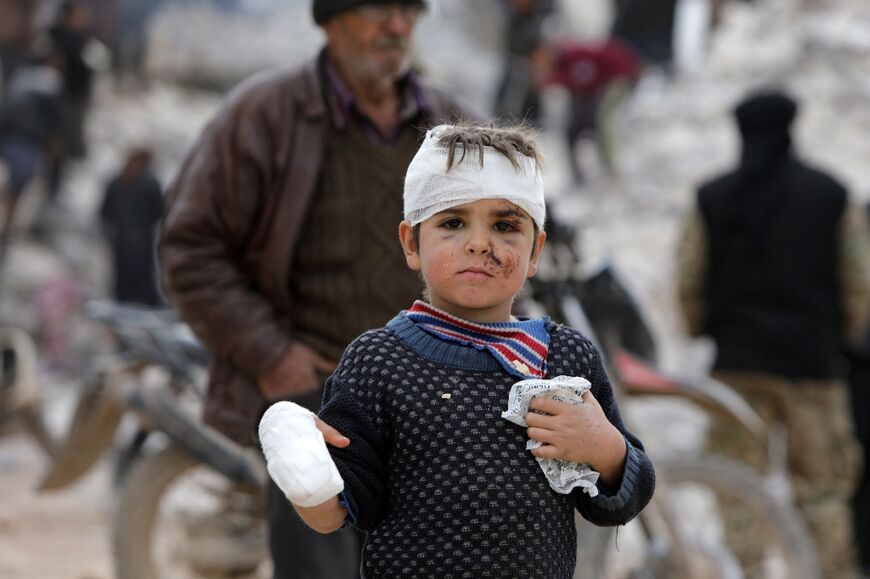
[367,72]
[376,74]
[403,68]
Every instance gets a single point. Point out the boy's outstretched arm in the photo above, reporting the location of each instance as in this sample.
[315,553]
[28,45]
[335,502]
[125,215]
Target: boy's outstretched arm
[294,444]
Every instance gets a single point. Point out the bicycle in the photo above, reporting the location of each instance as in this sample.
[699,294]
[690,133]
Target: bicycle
[666,541]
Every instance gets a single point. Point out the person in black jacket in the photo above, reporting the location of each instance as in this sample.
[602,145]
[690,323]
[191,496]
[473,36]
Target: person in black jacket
[774,267]
[859,386]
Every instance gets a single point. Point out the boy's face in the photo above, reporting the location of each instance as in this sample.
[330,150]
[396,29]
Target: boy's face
[475,257]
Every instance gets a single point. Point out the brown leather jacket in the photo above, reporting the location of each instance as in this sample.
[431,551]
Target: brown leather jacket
[232,218]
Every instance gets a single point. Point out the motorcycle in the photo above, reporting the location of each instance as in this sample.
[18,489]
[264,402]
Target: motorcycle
[189,501]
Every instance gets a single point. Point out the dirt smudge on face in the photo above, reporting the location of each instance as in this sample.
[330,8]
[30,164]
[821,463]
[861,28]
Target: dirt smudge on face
[505,266]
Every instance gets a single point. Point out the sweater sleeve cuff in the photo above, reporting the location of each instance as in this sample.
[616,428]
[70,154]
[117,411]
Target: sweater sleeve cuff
[611,500]
[345,501]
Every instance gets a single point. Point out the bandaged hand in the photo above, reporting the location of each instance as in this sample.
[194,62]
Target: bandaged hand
[296,455]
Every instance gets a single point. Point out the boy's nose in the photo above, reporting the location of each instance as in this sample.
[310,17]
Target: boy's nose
[478,243]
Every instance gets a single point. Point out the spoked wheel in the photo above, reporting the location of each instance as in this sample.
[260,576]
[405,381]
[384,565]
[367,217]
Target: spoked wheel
[711,519]
[646,548]
[178,519]
[738,529]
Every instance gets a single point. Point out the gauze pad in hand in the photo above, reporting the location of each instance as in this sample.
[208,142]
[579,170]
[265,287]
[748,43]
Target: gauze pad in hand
[296,455]
[562,475]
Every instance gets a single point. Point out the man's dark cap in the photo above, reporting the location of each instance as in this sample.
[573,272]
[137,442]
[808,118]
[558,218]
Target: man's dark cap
[323,10]
[765,112]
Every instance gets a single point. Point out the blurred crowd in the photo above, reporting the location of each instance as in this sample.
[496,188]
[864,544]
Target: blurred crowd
[45,99]
[51,53]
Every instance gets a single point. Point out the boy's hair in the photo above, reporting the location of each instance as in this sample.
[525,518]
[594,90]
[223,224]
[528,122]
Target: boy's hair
[509,141]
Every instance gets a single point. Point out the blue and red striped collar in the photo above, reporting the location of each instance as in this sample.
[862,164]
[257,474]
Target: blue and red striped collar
[520,347]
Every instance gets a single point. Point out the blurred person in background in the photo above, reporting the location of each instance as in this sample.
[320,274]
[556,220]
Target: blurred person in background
[648,27]
[773,265]
[72,38]
[517,98]
[29,116]
[131,209]
[859,385]
[250,251]
[131,39]
[597,76]
[16,35]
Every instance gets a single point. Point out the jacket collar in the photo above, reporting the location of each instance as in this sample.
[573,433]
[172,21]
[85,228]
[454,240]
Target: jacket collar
[310,93]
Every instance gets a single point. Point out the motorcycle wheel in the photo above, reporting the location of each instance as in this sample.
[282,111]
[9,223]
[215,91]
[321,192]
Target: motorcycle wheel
[178,519]
[685,535]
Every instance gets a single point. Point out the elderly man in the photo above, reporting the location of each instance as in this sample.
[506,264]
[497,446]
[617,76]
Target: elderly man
[279,240]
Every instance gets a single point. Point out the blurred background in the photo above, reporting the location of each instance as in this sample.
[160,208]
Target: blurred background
[156,70]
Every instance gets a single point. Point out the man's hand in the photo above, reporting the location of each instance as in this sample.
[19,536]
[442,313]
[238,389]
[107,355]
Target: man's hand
[295,374]
[578,433]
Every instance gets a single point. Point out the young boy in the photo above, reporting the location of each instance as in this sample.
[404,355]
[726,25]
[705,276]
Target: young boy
[424,463]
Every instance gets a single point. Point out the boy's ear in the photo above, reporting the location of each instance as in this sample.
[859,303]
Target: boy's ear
[406,236]
[540,239]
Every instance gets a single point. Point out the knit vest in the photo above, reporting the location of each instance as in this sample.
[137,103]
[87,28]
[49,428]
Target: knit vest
[772,291]
[349,273]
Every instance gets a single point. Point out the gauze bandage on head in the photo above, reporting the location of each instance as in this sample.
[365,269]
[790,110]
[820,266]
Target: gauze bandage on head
[296,455]
[430,188]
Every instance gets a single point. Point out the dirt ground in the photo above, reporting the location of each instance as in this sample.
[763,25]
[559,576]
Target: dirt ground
[63,535]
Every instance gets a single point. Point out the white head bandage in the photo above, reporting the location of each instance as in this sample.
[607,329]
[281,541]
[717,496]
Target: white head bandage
[430,188]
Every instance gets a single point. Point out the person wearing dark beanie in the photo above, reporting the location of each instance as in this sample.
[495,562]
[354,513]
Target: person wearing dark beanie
[280,230]
[323,10]
[774,266]
[765,111]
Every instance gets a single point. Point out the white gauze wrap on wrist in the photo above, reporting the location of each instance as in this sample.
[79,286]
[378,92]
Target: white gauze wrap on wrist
[296,455]
[430,188]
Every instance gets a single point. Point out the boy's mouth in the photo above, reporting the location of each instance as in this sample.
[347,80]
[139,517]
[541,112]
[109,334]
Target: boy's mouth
[475,271]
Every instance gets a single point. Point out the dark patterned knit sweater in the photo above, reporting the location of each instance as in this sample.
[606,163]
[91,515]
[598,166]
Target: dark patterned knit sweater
[444,486]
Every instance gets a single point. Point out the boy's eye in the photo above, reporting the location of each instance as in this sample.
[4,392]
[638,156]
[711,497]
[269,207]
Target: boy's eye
[505,226]
[452,223]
